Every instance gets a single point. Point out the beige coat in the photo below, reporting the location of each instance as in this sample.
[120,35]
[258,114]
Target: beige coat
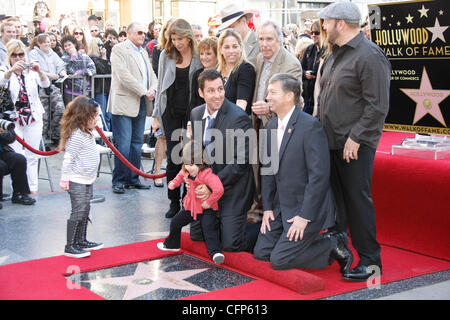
[126,81]
[285,62]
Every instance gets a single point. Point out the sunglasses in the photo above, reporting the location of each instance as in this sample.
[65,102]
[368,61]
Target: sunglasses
[78,33]
[140,33]
[20,55]
[316,33]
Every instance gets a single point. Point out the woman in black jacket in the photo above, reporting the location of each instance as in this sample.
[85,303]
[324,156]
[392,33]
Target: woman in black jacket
[239,74]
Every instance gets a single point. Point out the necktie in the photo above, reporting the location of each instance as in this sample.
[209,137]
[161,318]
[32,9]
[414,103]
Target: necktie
[280,135]
[208,131]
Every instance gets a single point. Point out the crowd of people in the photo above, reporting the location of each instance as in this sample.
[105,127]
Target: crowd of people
[321,93]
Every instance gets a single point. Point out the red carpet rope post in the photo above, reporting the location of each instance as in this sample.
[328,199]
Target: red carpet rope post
[116,152]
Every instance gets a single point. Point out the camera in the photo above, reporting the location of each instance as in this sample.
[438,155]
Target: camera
[30,66]
[7,125]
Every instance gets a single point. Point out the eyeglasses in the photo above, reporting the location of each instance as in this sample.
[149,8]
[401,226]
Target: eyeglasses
[316,33]
[78,33]
[20,55]
[140,33]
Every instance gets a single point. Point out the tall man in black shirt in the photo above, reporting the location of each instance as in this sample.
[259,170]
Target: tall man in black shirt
[353,104]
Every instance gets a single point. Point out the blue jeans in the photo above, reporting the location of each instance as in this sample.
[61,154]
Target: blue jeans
[102,99]
[128,135]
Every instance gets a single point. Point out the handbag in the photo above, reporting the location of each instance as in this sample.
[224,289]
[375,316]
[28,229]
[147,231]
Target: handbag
[6,103]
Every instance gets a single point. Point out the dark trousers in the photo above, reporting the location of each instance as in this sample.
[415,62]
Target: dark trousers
[352,188]
[170,124]
[80,199]
[128,138]
[15,164]
[312,252]
[210,226]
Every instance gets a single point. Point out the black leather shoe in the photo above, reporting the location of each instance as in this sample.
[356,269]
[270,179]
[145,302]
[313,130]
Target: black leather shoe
[118,189]
[360,273]
[139,186]
[23,199]
[174,208]
[341,252]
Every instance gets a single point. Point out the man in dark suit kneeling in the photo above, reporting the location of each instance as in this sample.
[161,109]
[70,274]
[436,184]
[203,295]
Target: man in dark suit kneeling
[227,134]
[295,186]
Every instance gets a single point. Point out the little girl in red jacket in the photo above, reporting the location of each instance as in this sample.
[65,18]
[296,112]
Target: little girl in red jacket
[196,173]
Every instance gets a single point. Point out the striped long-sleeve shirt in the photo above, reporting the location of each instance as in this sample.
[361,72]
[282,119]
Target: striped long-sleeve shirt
[81,158]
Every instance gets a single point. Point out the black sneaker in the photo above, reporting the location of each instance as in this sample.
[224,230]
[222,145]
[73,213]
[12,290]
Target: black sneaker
[74,251]
[23,199]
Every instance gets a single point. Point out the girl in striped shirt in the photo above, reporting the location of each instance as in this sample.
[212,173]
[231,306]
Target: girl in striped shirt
[79,170]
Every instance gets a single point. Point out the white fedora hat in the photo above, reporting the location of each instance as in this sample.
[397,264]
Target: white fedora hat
[231,13]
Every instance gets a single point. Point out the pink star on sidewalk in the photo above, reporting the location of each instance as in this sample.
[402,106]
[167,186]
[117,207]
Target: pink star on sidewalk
[427,99]
[147,278]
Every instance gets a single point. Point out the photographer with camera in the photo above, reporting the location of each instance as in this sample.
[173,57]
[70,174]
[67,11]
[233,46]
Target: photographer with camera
[13,163]
[23,80]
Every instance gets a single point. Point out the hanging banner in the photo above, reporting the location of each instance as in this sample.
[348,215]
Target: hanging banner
[414,35]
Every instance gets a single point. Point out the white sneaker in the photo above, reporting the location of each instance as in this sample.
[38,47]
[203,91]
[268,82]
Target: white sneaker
[218,258]
[162,246]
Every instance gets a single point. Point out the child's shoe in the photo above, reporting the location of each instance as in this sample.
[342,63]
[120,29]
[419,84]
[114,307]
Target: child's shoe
[72,249]
[218,258]
[162,246]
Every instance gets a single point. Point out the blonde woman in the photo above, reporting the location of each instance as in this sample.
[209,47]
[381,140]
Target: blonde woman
[23,80]
[325,53]
[239,74]
[177,64]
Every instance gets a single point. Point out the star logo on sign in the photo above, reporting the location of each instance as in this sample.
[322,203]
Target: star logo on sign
[423,12]
[438,31]
[427,99]
[409,18]
[147,278]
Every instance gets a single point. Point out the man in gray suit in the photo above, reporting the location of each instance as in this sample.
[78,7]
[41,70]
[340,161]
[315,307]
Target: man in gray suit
[273,59]
[297,199]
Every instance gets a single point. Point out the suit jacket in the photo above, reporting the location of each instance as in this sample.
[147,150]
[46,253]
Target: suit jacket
[126,81]
[301,186]
[285,62]
[251,47]
[167,71]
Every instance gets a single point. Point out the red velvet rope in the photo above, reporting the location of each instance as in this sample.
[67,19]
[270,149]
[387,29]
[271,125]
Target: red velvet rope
[125,161]
[110,145]
[39,152]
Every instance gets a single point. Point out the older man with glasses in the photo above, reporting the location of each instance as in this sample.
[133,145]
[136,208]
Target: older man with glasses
[133,88]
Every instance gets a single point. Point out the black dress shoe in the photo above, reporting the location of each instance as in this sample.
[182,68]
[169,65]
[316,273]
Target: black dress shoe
[360,273]
[139,186]
[118,189]
[341,252]
[23,199]
[174,208]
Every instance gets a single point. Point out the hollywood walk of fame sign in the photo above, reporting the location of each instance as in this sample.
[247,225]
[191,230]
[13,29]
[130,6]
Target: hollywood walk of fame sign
[414,36]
